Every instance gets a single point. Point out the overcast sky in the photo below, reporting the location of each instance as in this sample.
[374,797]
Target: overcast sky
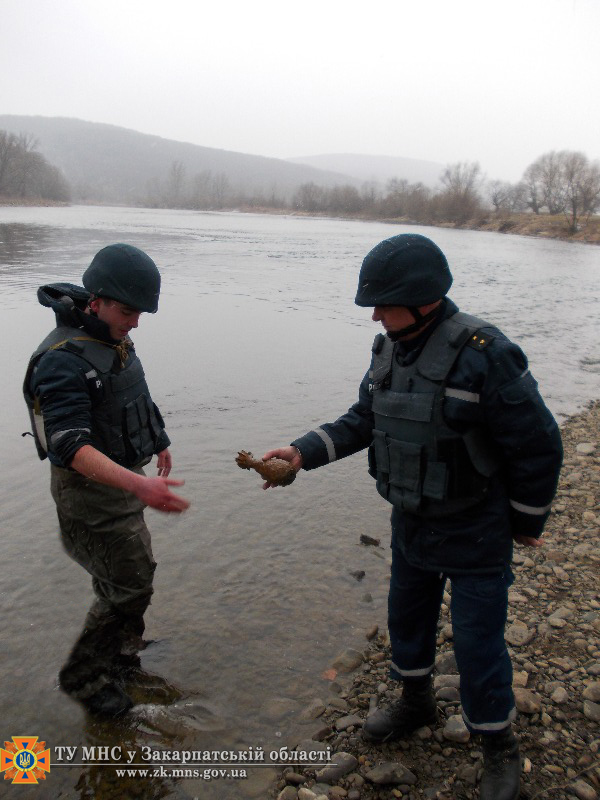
[494,81]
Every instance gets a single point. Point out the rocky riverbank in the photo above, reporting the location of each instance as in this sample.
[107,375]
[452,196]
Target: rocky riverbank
[553,635]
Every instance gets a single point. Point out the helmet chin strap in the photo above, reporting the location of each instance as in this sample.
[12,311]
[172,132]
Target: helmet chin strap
[421,320]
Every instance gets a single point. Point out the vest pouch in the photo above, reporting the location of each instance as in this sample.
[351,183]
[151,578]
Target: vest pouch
[138,433]
[435,485]
[399,470]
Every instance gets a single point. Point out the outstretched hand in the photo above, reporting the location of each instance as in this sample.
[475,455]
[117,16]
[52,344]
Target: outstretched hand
[155,492]
[291,454]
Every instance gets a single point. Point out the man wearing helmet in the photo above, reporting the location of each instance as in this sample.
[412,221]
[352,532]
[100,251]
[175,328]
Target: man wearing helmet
[93,417]
[463,447]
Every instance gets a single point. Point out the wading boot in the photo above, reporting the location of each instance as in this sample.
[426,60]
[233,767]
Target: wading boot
[501,767]
[413,710]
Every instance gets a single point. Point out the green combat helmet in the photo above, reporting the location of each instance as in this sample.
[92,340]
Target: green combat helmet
[406,270]
[124,273]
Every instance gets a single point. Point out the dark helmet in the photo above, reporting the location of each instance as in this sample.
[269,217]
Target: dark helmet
[405,270]
[124,273]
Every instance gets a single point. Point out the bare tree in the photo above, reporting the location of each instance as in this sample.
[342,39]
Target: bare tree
[460,199]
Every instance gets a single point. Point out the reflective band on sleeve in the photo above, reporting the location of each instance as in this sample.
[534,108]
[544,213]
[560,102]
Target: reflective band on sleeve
[328,443]
[491,726]
[535,510]
[412,673]
[59,434]
[460,394]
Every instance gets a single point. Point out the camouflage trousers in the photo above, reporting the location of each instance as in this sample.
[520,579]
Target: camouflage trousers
[103,530]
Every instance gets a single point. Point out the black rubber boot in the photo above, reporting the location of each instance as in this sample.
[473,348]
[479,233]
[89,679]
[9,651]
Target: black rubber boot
[109,701]
[413,710]
[501,767]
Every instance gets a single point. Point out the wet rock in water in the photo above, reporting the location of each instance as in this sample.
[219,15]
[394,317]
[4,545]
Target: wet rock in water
[258,782]
[275,470]
[348,660]
[344,763]
[276,708]
[391,772]
[369,540]
[359,574]
[179,720]
[372,632]
[313,710]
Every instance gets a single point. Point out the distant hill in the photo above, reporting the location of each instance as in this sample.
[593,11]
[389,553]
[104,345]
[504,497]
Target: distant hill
[109,164]
[376,168]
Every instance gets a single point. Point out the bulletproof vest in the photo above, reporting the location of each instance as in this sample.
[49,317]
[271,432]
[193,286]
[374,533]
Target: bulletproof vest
[126,424]
[421,464]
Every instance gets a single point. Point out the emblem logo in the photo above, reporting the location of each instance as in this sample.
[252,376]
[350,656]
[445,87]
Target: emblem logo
[24,760]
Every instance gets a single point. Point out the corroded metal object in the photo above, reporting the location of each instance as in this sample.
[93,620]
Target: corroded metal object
[275,470]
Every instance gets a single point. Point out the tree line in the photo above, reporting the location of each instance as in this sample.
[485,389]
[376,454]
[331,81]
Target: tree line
[563,183]
[559,183]
[26,174]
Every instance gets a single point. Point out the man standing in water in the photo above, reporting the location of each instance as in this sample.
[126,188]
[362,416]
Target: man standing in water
[463,447]
[95,420]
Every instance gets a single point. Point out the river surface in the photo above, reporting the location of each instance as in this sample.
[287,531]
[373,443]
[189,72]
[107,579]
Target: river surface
[257,340]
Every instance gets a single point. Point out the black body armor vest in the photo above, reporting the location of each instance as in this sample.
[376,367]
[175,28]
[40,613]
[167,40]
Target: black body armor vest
[125,422]
[421,465]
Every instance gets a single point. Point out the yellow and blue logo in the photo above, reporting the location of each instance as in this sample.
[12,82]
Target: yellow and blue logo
[24,760]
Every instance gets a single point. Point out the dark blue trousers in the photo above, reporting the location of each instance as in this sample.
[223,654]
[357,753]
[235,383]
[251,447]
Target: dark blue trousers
[478,608]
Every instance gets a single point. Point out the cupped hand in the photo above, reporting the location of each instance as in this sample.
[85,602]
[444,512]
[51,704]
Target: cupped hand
[290,453]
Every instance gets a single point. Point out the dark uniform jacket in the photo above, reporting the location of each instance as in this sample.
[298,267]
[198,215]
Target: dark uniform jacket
[90,390]
[490,391]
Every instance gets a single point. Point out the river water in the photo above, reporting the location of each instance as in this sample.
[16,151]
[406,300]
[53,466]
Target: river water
[257,340]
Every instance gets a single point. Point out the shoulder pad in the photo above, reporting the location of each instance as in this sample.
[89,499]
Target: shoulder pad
[378,343]
[479,340]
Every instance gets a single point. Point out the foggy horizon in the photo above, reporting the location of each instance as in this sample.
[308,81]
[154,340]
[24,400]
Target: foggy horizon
[495,84]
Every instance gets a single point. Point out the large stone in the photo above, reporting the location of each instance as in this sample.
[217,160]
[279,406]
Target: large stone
[591,710]
[446,662]
[527,702]
[592,692]
[583,790]
[518,635]
[343,723]
[455,729]
[342,764]
[559,695]
[391,772]
[585,448]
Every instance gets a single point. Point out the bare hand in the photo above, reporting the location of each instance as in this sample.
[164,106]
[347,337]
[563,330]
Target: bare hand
[164,463]
[291,454]
[154,492]
[529,541]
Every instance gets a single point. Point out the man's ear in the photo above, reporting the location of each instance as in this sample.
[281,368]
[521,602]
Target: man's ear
[94,305]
